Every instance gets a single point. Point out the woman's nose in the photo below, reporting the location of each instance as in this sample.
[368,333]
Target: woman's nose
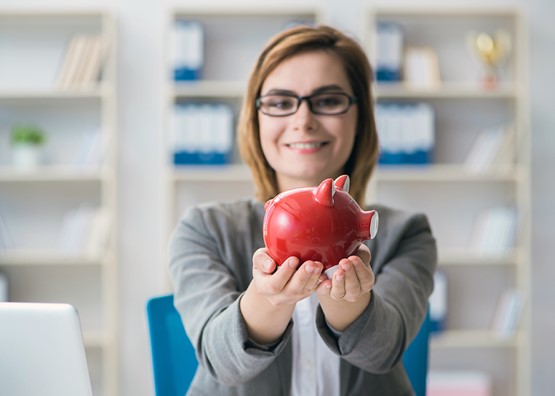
[303,117]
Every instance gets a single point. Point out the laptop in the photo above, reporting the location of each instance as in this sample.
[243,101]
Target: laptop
[42,351]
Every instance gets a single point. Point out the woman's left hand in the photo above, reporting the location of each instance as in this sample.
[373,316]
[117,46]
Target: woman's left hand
[352,279]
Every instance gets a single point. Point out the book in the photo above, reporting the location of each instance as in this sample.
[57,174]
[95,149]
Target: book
[6,241]
[83,61]
[458,383]
[94,63]
[421,68]
[67,60]
[202,133]
[75,230]
[507,313]
[98,233]
[494,231]
[74,55]
[187,50]
[92,148]
[494,146]
[406,133]
[438,303]
[389,51]
[3,287]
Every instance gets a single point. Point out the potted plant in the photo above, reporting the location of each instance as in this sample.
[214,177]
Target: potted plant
[27,142]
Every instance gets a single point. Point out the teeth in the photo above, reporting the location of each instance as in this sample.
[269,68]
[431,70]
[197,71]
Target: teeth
[306,146]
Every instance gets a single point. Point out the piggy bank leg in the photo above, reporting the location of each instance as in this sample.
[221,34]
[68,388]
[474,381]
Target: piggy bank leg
[330,271]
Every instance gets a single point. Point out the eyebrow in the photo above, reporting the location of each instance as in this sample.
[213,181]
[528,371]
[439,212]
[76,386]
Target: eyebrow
[322,89]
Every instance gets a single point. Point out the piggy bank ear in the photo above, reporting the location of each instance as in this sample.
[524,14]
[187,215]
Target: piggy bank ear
[343,183]
[324,193]
[268,204]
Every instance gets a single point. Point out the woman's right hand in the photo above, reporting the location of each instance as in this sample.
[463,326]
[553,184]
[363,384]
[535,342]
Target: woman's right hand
[287,283]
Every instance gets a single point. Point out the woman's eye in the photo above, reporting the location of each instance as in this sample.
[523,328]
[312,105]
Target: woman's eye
[281,103]
[328,101]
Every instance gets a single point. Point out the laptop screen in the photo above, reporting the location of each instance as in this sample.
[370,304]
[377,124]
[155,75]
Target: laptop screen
[42,351]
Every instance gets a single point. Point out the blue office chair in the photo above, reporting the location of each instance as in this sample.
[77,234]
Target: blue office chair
[174,362]
[415,358]
[173,357]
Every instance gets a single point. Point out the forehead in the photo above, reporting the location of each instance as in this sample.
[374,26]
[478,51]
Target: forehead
[307,71]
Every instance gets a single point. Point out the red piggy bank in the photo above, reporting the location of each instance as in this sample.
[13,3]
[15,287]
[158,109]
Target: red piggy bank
[321,223]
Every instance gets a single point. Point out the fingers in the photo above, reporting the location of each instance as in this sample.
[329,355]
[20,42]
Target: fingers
[352,279]
[289,282]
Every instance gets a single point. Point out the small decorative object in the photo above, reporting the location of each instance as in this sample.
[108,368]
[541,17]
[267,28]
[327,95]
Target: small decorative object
[492,50]
[27,142]
[421,68]
[321,223]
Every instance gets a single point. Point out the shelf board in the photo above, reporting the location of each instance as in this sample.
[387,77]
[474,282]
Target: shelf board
[393,173]
[446,90]
[456,257]
[245,10]
[211,173]
[45,257]
[208,89]
[236,89]
[53,93]
[473,339]
[444,173]
[50,173]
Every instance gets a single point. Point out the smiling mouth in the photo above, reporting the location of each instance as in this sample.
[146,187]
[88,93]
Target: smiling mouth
[306,146]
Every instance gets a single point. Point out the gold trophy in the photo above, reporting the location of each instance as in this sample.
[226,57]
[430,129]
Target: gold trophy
[492,50]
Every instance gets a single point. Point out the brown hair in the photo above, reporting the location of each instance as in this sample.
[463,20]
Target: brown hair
[284,45]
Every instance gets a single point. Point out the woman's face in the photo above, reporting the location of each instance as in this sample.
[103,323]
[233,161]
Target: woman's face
[305,148]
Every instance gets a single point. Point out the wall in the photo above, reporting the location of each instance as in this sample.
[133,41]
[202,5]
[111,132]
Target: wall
[141,93]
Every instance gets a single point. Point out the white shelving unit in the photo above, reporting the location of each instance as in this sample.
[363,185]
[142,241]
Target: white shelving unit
[34,202]
[453,196]
[248,28]
[446,190]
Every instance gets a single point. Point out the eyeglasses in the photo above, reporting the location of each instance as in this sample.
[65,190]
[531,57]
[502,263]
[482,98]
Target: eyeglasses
[321,103]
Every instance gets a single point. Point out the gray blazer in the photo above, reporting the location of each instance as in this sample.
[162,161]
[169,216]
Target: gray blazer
[211,266]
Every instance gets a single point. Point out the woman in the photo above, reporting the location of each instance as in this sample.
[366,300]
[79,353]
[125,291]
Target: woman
[263,329]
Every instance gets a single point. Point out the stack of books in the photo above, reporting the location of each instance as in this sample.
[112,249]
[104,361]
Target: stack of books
[495,231]
[6,241]
[492,147]
[3,287]
[83,62]
[389,51]
[458,383]
[406,133]
[202,134]
[85,230]
[187,50]
[507,315]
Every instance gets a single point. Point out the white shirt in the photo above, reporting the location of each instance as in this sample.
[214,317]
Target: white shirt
[315,367]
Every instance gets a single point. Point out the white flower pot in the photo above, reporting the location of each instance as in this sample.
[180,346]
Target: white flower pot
[26,156]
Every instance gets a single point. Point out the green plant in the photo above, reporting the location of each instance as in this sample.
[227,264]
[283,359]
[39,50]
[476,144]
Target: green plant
[28,134]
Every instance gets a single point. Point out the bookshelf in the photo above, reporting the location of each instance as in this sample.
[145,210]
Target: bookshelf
[454,196]
[195,183]
[74,171]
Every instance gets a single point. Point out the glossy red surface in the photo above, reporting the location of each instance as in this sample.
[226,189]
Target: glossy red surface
[323,223]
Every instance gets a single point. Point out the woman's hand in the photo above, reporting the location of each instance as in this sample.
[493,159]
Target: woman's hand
[344,297]
[288,283]
[353,278]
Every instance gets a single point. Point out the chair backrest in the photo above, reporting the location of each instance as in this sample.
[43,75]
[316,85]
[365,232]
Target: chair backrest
[415,358]
[173,357]
[174,362]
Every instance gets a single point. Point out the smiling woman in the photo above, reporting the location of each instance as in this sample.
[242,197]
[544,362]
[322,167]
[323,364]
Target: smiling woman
[264,328]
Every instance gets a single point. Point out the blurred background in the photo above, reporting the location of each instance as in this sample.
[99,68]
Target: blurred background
[117,115]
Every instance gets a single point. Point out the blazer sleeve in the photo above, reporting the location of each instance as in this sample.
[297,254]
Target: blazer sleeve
[207,284]
[404,258]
